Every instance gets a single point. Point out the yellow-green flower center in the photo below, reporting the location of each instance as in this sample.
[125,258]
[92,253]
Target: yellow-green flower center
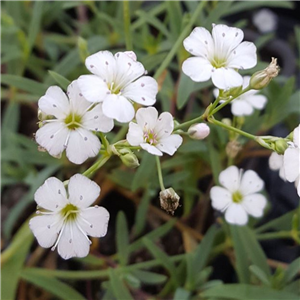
[73,121]
[115,89]
[150,137]
[237,197]
[218,62]
[69,212]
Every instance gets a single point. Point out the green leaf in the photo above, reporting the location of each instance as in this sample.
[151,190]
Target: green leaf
[260,274]
[12,261]
[181,294]
[118,287]
[61,80]
[35,23]
[122,238]
[247,249]
[247,292]
[25,84]
[51,285]
[292,270]
[149,277]
[163,258]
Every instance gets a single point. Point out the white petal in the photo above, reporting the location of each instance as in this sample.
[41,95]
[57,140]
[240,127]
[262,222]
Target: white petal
[94,221]
[296,134]
[199,42]
[275,161]
[51,195]
[230,178]
[77,102]
[119,108]
[55,102]
[82,191]
[147,117]
[297,185]
[291,164]
[226,78]
[82,145]
[95,120]
[254,204]
[46,228]
[73,242]
[164,125]
[221,198]
[135,134]
[197,68]
[170,144]
[93,88]
[240,107]
[151,149]
[226,38]
[257,101]
[142,91]
[102,64]
[243,56]
[52,136]
[251,183]
[127,69]
[235,214]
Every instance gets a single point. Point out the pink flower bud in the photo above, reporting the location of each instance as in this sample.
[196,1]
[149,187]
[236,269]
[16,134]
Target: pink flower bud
[131,54]
[199,131]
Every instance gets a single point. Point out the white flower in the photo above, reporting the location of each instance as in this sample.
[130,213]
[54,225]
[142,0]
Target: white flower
[238,196]
[153,133]
[66,220]
[117,81]
[276,163]
[72,125]
[265,20]
[291,161]
[218,56]
[245,104]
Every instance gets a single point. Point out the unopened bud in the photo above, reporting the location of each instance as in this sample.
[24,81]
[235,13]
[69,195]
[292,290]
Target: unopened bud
[262,78]
[199,131]
[128,158]
[131,54]
[280,146]
[169,200]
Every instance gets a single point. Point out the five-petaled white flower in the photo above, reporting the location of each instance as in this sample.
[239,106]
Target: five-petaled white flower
[117,82]
[291,160]
[218,56]
[245,104]
[67,220]
[72,125]
[153,133]
[238,196]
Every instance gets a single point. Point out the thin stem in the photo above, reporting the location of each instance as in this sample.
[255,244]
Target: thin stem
[241,132]
[126,15]
[159,172]
[103,140]
[216,102]
[97,165]
[229,100]
[274,235]
[178,43]
[189,123]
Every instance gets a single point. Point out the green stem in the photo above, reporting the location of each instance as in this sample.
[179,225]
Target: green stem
[216,102]
[189,123]
[241,132]
[229,100]
[178,43]
[97,165]
[274,235]
[82,275]
[126,15]
[159,172]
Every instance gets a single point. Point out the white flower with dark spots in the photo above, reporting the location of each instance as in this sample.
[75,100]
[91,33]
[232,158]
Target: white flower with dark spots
[291,160]
[71,124]
[238,197]
[66,219]
[276,163]
[218,56]
[153,133]
[245,104]
[118,81]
